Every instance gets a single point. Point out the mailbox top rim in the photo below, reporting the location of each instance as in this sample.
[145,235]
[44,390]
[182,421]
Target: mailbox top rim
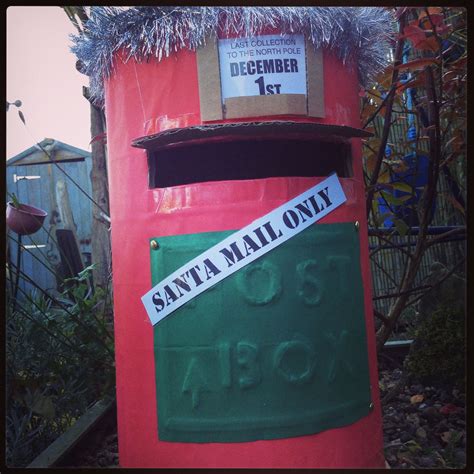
[246,130]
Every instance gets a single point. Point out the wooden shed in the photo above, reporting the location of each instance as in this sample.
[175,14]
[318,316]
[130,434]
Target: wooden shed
[45,182]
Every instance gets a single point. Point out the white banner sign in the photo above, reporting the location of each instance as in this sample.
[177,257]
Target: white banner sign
[262,65]
[243,247]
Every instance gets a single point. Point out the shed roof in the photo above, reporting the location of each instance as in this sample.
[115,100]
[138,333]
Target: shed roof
[59,150]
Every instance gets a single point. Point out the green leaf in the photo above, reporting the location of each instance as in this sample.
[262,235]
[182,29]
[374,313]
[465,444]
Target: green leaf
[396,201]
[386,215]
[375,204]
[82,275]
[413,446]
[401,226]
[79,292]
[86,272]
[15,201]
[404,187]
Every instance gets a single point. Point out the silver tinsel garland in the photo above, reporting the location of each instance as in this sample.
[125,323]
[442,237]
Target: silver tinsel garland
[358,35]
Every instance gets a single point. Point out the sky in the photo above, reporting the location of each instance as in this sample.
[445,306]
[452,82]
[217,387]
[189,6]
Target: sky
[41,73]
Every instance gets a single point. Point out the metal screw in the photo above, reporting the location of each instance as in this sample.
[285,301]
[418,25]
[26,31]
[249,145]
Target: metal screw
[357,225]
[154,244]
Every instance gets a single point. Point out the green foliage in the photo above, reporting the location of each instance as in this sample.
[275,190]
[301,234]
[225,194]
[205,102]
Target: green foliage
[15,201]
[437,41]
[407,324]
[439,349]
[415,162]
[59,356]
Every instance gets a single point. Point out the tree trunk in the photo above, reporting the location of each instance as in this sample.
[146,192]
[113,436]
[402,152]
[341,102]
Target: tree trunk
[100,236]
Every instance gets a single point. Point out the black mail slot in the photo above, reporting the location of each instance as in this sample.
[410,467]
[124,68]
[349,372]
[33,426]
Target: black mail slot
[248,159]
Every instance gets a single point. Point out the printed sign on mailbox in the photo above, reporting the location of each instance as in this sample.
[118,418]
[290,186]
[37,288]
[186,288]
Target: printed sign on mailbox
[262,65]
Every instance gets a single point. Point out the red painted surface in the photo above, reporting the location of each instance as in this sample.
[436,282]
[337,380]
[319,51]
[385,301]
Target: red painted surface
[139,98]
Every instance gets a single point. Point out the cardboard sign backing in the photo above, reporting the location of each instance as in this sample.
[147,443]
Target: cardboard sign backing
[213,108]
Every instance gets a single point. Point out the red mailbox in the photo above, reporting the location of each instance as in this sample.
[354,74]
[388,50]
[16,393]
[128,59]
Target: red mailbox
[275,366]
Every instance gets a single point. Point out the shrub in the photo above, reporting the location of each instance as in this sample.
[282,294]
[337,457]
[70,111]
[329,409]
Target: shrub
[59,354]
[438,352]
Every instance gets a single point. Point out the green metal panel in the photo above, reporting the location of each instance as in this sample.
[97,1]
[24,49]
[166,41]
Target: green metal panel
[277,349]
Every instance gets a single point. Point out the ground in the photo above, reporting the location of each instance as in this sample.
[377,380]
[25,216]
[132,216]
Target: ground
[424,426]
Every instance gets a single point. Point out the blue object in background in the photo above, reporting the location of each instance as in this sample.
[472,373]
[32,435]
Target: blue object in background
[416,175]
[411,133]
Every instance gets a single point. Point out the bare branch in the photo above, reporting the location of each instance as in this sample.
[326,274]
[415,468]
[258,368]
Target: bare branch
[393,244]
[442,237]
[424,213]
[386,128]
[380,316]
[406,292]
